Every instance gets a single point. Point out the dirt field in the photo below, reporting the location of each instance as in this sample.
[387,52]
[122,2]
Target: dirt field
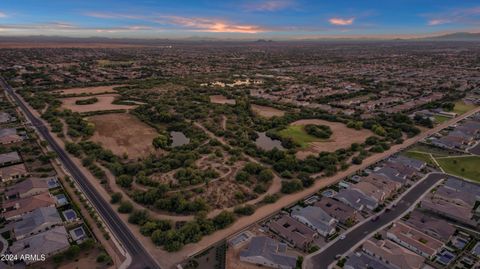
[104,103]
[342,137]
[88,90]
[266,111]
[110,131]
[220,99]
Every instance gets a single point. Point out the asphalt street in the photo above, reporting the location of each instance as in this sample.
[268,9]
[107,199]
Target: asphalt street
[141,259]
[324,258]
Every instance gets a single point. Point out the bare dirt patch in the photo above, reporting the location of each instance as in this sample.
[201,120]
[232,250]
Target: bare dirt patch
[220,99]
[266,111]
[88,90]
[123,133]
[342,137]
[104,103]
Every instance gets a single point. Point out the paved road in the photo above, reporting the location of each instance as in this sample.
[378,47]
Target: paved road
[324,258]
[141,259]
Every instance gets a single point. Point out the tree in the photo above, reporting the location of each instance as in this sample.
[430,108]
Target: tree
[265,175]
[138,217]
[449,106]
[224,219]
[125,207]
[158,237]
[320,131]
[246,210]
[162,141]
[116,197]
[124,181]
[242,176]
[379,130]
[72,252]
[253,168]
[291,186]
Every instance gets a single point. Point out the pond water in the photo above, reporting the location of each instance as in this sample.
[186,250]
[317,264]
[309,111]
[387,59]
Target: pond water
[266,143]
[179,139]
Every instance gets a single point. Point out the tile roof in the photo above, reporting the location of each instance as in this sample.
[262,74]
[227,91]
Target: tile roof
[269,249]
[35,219]
[394,254]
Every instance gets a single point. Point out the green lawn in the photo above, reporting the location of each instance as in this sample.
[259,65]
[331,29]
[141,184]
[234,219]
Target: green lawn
[440,118]
[420,156]
[298,135]
[462,108]
[467,167]
[436,152]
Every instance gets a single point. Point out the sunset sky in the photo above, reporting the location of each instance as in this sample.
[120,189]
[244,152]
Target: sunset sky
[276,19]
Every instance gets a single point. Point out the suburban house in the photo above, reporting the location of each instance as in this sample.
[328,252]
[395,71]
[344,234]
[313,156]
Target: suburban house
[413,163]
[27,187]
[39,220]
[267,252]
[435,227]
[47,243]
[17,208]
[13,172]
[340,211]
[468,190]
[444,206]
[10,158]
[362,260]
[383,183]
[393,254]
[414,240]
[470,127]
[403,171]
[315,218]
[294,232]
[455,199]
[356,199]
[392,174]
[9,136]
[5,117]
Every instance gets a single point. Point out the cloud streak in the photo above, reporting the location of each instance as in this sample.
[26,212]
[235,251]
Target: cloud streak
[62,26]
[468,16]
[341,21]
[269,5]
[3,14]
[210,25]
[197,24]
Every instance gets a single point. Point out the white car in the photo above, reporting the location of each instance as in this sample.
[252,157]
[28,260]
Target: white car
[342,237]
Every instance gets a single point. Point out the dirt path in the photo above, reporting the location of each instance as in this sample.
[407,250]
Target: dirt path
[168,259]
[277,180]
[125,197]
[271,209]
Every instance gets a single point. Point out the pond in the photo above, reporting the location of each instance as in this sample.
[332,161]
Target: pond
[179,139]
[266,143]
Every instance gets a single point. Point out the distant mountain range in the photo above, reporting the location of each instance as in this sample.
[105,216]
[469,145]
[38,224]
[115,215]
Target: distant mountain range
[459,36]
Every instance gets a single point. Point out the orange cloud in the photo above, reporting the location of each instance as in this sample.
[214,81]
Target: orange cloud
[211,25]
[341,22]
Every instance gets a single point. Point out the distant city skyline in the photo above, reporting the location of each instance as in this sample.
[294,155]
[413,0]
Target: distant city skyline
[250,19]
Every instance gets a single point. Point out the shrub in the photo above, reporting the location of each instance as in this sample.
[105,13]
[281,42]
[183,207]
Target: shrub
[246,210]
[125,207]
[116,197]
[291,186]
